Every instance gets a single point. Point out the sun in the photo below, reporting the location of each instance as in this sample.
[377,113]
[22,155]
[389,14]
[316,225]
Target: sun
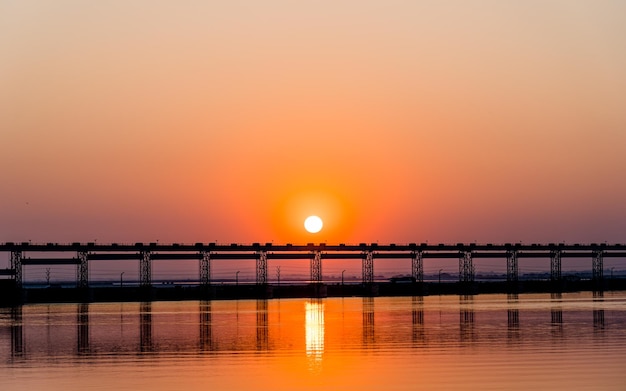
[313,224]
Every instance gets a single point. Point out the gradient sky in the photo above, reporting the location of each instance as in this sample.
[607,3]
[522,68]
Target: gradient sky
[231,121]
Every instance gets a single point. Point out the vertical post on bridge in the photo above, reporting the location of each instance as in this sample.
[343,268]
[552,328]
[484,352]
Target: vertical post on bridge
[512,268]
[261,268]
[597,265]
[368,267]
[16,265]
[82,270]
[417,266]
[145,269]
[316,267]
[466,267]
[205,268]
[555,265]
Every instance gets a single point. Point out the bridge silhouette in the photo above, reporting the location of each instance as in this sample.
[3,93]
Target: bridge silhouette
[27,254]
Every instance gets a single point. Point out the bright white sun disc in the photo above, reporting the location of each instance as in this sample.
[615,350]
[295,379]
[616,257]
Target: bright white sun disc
[313,224]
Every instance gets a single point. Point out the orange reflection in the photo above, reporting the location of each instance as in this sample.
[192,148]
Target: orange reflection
[314,333]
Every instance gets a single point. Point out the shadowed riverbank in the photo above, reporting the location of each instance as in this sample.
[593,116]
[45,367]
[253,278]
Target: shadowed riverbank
[10,295]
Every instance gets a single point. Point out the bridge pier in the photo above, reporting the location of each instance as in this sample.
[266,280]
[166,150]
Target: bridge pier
[368,267]
[16,265]
[145,269]
[82,270]
[555,265]
[597,266]
[205,268]
[512,268]
[316,267]
[466,267]
[261,268]
[417,266]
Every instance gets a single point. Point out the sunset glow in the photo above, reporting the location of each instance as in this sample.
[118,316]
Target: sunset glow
[395,121]
[312,195]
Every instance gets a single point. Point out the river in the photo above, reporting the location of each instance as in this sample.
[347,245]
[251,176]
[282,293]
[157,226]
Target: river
[515,342]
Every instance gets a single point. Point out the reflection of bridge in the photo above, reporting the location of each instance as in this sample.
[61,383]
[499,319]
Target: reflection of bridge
[201,327]
[25,254]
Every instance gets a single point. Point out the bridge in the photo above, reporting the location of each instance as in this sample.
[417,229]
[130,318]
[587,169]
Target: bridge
[82,254]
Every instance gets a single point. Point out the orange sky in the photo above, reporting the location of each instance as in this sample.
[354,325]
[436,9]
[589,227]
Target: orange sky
[395,121]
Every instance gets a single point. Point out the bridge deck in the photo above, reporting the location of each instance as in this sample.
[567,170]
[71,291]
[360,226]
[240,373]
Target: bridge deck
[51,253]
[270,247]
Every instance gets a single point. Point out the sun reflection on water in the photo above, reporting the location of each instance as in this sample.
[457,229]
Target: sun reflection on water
[314,333]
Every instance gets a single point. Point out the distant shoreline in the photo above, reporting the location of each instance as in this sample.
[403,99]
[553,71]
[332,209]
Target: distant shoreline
[12,296]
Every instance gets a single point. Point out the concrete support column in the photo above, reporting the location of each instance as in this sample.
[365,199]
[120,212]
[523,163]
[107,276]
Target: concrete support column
[16,265]
[145,269]
[205,268]
[512,269]
[261,268]
[555,265]
[316,267]
[466,267]
[368,267]
[82,270]
[417,266]
[598,266]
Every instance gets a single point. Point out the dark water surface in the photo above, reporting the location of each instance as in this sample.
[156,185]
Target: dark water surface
[573,341]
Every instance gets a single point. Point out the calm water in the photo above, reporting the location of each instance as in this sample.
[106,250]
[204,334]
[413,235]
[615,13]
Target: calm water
[531,341]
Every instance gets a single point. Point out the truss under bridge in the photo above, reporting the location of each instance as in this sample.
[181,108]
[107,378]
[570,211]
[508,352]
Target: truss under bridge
[83,254]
